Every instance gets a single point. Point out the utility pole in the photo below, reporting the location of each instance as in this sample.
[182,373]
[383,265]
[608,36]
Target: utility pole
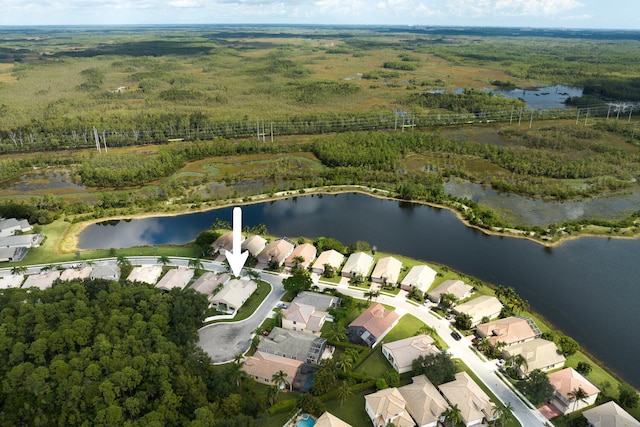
[271,131]
[511,118]
[531,120]
[630,111]
[578,117]
[97,138]
[586,118]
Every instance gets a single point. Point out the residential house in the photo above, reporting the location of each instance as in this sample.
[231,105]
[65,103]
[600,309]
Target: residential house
[11,281]
[12,254]
[538,353]
[322,302]
[387,271]
[233,295]
[262,366]
[209,282]
[306,251]
[81,273]
[402,353]
[254,244]
[423,401]
[108,271]
[474,404]
[420,277]
[329,420]
[224,243]
[175,278]
[358,264]
[565,382]
[479,308]
[388,407]
[145,274]
[510,331]
[609,415]
[331,257]
[293,344]
[21,241]
[371,325]
[276,252]
[304,318]
[11,226]
[457,288]
[42,280]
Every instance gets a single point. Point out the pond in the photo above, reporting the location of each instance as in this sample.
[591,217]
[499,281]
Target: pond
[587,287]
[539,98]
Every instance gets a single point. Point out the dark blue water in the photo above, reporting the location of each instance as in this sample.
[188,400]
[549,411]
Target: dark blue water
[587,287]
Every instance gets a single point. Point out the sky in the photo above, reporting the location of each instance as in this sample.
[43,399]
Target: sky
[617,14]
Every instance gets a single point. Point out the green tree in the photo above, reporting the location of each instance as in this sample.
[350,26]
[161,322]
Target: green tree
[164,260]
[18,269]
[578,395]
[344,392]
[311,404]
[463,321]
[584,368]
[537,387]
[439,368]
[300,280]
[448,300]
[336,332]
[279,379]
[196,264]
[627,396]
[567,345]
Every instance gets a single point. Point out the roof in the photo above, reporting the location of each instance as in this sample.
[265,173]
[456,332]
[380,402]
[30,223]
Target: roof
[405,351]
[508,330]
[568,379]
[264,365]
[358,263]
[473,403]
[225,242]
[175,278]
[76,273]
[291,344]
[145,274]
[105,271]
[478,308]
[254,244]
[209,281]
[306,314]
[21,240]
[610,415]
[331,257]
[389,405]
[321,302]
[11,281]
[277,251]
[306,251]
[235,292]
[420,276]
[455,287]
[42,280]
[376,319]
[329,420]
[424,402]
[387,269]
[539,353]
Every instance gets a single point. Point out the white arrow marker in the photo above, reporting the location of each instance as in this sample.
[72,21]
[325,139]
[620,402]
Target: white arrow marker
[236,258]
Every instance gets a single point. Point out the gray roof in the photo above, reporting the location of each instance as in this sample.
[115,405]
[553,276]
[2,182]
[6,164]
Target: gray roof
[21,240]
[321,302]
[291,344]
[105,271]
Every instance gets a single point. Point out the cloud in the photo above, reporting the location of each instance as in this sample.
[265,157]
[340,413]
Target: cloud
[532,8]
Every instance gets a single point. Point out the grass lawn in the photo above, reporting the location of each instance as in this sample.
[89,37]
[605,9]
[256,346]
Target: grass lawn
[375,365]
[407,326]
[251,304]
[352,411]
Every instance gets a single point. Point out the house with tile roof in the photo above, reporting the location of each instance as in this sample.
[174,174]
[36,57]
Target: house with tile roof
[42,280]
[474,404]
[175,278]
[80,273]
[387,271]
[510,331]
[307,251]
[293,344]
[276,252]
[423,401]
[371,325]
[331,257]
[457,288]
[402,353]
[209,282]
[9,281]
[358,264]
[322,302]
[420,277]
[262,366]
[106,271]
[538,353]
[9,226]
[387,407]
[145,274]
[304,318]
[479,308]
[609,415]
[233,295]
[254,244]
[565,382]
[225,243]
[329,420]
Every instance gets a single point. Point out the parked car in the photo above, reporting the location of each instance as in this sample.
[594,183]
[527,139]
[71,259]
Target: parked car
[456,336]
[500,363]
[450,316]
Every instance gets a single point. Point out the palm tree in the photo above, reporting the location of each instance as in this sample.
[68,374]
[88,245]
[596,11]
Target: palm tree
[164,260]
[456,415]
[337,332]
[237,358]
[18,269]
[279,379]
[483,345]
[122,261]
[344,392]
[578,395]
[427,330]
[237,372]
[196,264]
[277,316]
[297,260]
[519,362]
[503,413]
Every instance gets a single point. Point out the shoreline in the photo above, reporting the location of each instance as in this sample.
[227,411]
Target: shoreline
[69,241]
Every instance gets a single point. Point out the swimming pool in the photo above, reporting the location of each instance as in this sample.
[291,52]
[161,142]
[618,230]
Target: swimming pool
[306,420]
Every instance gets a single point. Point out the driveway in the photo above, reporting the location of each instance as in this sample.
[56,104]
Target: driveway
[222,341]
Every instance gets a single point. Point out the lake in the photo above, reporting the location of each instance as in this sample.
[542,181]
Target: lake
[587,287]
